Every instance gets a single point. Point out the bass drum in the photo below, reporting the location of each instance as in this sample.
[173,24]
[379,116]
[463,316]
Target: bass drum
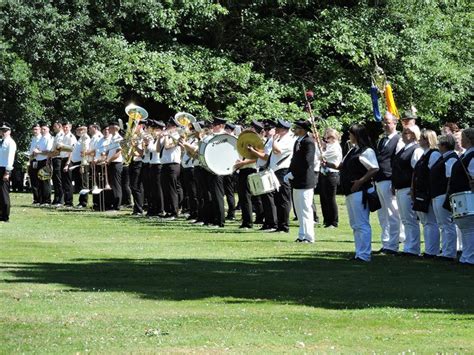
[218,154]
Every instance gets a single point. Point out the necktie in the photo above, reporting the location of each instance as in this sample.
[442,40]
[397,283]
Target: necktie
[382,142]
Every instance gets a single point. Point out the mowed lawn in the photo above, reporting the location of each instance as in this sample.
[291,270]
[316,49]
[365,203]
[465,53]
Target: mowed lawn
[78,281]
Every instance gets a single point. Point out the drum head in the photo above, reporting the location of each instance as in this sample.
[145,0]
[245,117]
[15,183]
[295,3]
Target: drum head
[220,154]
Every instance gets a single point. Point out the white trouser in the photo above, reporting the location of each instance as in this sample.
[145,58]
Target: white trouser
[303,201]
[447,227]
[389,218]
[409,220]
[360,224]
[466,225]
[459,238]
[430,231]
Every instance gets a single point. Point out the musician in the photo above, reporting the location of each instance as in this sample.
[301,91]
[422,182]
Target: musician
[170,156]
[145,171]
[41,153]
[56,161]
[114,162]
[439,175]
[76,166]
[188,164]
[357,169]
[403,164]
[329,178]
[301,174]
[135,171]
[156,206]
[462,180]
[421,197]
[7,158]
[279,162]
[230,182]
[245,168]
[68,140]
[215,183]
[33,164]
[388,215]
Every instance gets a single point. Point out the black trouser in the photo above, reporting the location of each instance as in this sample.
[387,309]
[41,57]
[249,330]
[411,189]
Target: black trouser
[57,182]
[44,186]
[327,197]
[66,178]
[203,195]
[34,181]
[189,179]
[269,210]
[135,172]
[155,201]
[115,180]
[229,191]
[245,197]
[146,182]
[80,176]
[169,178]
[315,212]
[216,187]
[282,199]
[4,197]
[258,209]
[126,191]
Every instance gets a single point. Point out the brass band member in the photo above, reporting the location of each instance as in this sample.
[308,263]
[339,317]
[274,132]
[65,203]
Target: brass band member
[188,163]
[152,148]
[56,161]
[7,157]
[80,173]
[33,164]
[135,172]
[115,163]
[230,182]
[68,140]
[41,153]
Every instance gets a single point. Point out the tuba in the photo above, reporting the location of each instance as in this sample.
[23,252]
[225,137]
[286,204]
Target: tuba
[187,122]
[135,114]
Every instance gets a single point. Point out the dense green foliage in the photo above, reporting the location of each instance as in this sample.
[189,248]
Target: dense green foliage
[85,59]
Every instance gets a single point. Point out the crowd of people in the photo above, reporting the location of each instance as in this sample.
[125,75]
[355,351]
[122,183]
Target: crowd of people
[408,176]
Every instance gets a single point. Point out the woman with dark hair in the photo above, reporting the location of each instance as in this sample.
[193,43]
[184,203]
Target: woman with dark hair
[357,170]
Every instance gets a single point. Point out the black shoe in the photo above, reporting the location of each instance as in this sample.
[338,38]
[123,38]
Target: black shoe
[445,258]
[428,256]
[230,218]
[298,240]
[410,255]
[259,221]
[245,226]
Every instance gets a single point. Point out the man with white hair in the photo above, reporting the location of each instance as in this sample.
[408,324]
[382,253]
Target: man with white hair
[389,217]
[403,165]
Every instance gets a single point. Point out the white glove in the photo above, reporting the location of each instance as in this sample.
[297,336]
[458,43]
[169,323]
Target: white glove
[288,177]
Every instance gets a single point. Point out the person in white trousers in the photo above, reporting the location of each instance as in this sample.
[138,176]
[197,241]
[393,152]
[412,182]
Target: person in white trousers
[402,171]
[302,177]
[358,168]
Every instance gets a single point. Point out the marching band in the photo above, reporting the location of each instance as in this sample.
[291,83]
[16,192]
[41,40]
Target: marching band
[416,178]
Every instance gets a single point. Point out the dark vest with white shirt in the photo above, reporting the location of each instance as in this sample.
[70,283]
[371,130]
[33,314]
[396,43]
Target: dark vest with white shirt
[385,154]
[421,175]
[402,170]
[438,179]
[459,182]
[352,169]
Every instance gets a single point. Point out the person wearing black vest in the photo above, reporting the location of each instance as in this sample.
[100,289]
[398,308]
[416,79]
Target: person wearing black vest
[303,180]
[440,173]
[421,192]
[403,164]
[461,180]
[388,215]
[358,168]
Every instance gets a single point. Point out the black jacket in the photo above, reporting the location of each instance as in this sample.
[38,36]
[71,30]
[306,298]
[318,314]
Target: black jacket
[302,164]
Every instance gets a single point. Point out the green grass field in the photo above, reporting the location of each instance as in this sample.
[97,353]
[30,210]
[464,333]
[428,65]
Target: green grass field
[77,282]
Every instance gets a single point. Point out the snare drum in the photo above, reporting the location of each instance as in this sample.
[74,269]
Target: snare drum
[462,204]
[262,182]
[218,154]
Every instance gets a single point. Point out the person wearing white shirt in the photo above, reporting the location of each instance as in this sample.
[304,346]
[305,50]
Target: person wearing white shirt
[420,191]
[279,162]
[188,173]
[245,168]
[170,156]
[33,164]
[438,180]
[329,178]
[41,153]
[115,165]
[65,147]
[156,201]
[230,181]
[462,181]
[268,201]
[79,157]
[388,215]
[358,168]
[56,162]
[403,164]
[7,158]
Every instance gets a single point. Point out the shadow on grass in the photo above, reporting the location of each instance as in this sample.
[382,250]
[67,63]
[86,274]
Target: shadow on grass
[324,279]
